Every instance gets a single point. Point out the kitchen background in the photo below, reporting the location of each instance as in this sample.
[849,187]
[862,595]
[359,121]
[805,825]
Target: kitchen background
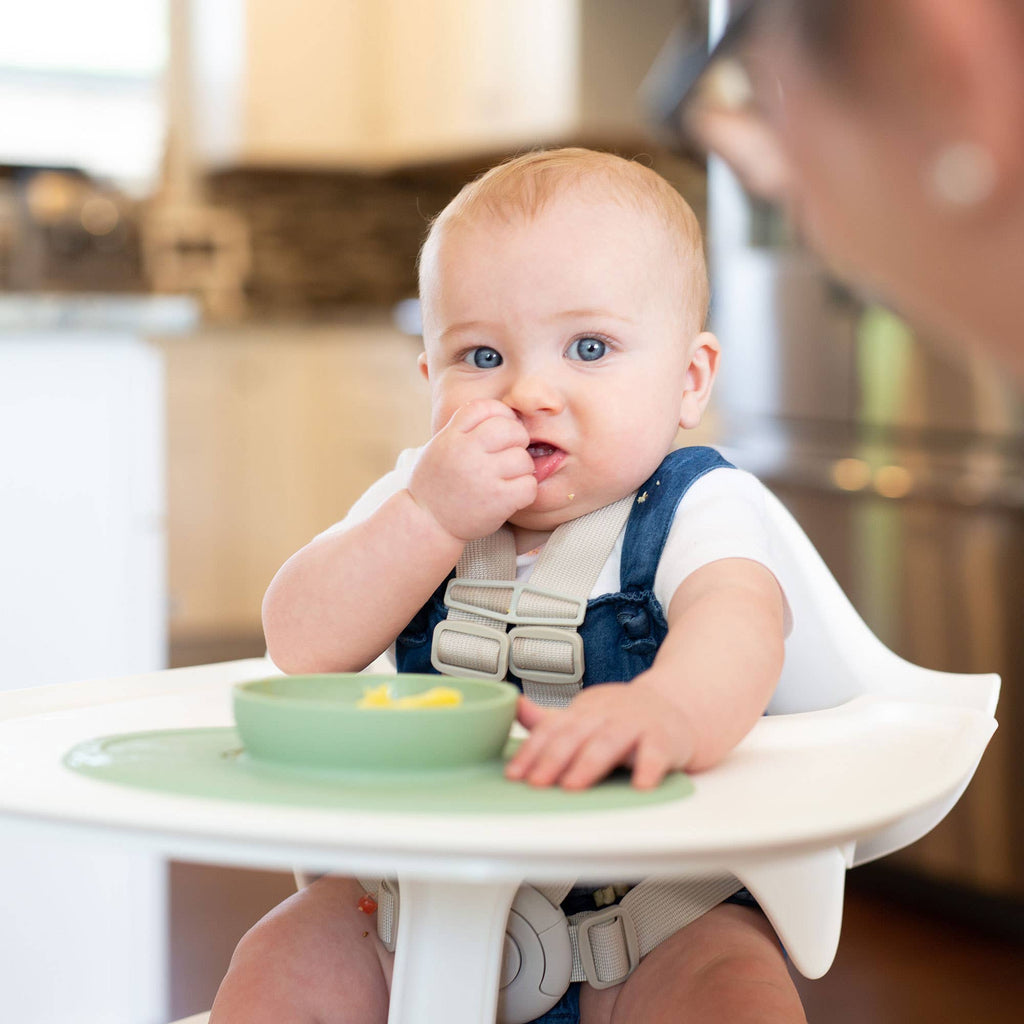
[209,217]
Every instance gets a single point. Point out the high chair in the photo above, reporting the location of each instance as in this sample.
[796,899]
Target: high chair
[861,754]
[841,688]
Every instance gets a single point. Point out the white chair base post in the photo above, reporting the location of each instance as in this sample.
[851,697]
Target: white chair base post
[464,922]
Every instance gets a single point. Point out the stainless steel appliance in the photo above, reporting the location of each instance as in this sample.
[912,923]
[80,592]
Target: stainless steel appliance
[904,462]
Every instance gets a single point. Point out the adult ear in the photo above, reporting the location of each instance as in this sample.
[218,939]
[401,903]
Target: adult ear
[700,376]
[977,74]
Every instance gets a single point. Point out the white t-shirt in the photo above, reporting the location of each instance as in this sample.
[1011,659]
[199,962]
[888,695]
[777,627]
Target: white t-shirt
[722,515]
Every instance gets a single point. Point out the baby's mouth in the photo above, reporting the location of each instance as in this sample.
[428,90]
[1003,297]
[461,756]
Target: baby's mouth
[546,459]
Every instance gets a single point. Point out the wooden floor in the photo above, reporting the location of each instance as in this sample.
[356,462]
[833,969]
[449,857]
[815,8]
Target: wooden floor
[901,965]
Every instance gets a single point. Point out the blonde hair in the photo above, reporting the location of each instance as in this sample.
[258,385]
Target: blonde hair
[522,186]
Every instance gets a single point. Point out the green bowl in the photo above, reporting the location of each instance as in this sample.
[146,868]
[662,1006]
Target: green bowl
[313,722]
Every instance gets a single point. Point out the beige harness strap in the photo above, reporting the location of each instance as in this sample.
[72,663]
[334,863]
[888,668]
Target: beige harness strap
[570,563]
[606,944]
[467,642]
[543,648]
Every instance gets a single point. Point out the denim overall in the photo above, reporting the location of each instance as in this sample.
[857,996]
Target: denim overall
[621,632]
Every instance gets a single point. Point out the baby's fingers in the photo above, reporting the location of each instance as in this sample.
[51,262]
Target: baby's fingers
[548,749]
[651,763]
[510,464]
[531,716]
[603,751]
[574,751]
[498,433]
[469,416]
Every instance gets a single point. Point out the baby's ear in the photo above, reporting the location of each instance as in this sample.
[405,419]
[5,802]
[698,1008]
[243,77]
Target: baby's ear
[700,376]
[421,362]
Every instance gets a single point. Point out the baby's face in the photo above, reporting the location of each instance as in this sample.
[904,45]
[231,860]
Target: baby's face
[573,318]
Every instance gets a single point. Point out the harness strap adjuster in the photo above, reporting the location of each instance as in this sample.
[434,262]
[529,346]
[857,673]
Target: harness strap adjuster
[547,607]
[520,662]
[625,940]
[487,657]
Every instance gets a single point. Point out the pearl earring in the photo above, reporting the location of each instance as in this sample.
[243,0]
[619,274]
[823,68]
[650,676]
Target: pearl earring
[962,174]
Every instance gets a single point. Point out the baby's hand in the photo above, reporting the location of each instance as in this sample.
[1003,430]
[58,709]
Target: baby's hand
[476,473]
[605,726]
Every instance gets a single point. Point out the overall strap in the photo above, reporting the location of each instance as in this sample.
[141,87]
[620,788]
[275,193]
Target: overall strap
[543,648]
[657,500]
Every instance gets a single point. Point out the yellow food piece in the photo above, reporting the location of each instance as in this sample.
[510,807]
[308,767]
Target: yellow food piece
[376,697]
[435,697]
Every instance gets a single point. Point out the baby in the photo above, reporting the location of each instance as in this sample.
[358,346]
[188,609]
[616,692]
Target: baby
[563,295]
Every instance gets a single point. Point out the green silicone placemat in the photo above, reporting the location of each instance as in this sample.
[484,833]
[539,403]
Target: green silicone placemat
[212,763]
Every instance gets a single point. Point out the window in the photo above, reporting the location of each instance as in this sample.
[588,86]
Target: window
[81,86]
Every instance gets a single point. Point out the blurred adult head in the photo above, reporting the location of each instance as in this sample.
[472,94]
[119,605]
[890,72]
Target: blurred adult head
[893,130]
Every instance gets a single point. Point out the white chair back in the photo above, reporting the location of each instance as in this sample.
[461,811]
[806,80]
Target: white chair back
[833,657]
[831,654]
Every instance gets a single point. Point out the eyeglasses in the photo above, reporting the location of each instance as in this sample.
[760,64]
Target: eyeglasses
[715,99]
[682,67]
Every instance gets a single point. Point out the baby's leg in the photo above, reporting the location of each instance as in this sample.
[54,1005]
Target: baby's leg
[726,966]
[315,959]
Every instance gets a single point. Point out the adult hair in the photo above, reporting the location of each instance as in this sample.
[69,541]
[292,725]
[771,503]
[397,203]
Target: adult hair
[522,186]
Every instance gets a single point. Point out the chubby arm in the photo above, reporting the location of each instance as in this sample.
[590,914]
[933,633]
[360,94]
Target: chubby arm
[335,605]
[710,682]
[340,601]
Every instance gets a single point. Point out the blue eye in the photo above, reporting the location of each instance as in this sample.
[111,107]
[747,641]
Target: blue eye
[588,350]
[484,358]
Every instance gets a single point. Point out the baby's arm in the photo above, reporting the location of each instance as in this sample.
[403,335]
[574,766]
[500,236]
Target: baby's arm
[340,601]
[710,682]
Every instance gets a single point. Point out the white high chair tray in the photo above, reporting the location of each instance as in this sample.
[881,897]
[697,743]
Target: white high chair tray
[786,804]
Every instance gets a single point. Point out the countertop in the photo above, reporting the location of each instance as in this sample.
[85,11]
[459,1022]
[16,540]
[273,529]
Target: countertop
[27,312]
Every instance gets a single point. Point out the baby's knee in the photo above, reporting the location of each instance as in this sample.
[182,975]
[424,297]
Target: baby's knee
[727,965]
[739,967]
[315,954]
[260,978]
[270,937]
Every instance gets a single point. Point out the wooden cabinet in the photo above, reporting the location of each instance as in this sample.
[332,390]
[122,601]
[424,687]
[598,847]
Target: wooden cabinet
[272,434]
[379,82]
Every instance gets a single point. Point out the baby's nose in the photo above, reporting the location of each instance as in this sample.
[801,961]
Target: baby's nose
[532,393]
